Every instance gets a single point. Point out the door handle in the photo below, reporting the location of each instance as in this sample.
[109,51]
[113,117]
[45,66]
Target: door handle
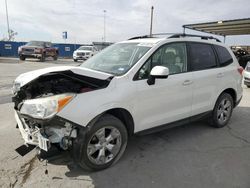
[187,82]
[220,75]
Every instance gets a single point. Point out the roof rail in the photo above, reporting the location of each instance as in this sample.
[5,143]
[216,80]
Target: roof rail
[152,36]
[140,37]
[190,35]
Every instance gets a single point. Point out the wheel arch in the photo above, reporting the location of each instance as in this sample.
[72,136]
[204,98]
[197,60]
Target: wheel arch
[233,94]
[122,114]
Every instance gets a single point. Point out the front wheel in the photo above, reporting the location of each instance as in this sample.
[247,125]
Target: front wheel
[22,58]
[55,57]
[102,144]
[222,111]
[75,60]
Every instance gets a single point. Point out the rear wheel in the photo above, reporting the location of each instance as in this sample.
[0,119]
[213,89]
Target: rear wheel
[222,111]
[102,145]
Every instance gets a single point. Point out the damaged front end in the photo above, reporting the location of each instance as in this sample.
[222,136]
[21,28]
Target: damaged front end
[37,103]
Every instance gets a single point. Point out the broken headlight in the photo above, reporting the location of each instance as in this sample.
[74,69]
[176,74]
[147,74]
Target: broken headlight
[44,108]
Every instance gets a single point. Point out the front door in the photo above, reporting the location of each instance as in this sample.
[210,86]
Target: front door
[169,99]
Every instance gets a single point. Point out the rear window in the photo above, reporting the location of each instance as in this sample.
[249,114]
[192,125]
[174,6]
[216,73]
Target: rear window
[201,56]
[224,56]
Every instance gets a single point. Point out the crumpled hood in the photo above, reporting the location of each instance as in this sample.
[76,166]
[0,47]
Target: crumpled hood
[29,76]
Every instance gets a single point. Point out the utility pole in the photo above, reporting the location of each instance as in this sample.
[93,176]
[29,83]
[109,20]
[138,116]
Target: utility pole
[104,25]
[151,23]
[7,18]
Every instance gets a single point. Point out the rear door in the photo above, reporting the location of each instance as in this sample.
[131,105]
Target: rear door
[204,66]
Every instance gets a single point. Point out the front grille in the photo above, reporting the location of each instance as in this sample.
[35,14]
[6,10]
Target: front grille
[28,50]
[80,54]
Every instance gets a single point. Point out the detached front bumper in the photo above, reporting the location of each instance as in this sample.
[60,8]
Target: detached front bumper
[43,135]
[33,137]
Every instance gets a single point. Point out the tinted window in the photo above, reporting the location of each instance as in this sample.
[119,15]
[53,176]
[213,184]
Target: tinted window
[224,56]
[202,56]
[173,56]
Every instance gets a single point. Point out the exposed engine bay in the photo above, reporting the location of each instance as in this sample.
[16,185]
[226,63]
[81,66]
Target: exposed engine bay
[57,83]
[55,130]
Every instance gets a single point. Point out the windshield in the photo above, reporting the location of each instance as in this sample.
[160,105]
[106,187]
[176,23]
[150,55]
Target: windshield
[85,48]
[117,59]
[35,43]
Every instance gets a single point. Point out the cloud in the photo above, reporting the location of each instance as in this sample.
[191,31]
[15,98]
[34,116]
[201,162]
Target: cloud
[46,20]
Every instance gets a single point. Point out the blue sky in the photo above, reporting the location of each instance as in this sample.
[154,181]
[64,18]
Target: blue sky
[47,19]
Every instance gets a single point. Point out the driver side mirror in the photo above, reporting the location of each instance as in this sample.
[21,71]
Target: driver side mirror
[158,72]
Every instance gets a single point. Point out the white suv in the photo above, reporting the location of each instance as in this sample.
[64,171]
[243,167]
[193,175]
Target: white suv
[135,86]
[84,52]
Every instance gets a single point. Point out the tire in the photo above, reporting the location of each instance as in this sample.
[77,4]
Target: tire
[22,58]
[94,152]
[248,86]
[55,57]
[42,59]
[75,60]
[222,111]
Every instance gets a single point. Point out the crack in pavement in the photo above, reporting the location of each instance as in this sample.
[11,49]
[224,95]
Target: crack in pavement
[25,172]
[232,132]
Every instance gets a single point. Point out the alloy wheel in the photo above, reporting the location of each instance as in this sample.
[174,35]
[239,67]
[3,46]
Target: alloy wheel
[104,145]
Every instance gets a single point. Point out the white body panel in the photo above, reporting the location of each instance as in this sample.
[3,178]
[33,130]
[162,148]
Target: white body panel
[27,77]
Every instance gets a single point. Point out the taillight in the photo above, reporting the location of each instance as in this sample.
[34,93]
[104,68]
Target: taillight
[240,70]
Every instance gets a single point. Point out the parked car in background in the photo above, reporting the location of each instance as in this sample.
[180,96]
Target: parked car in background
[37,49]
[243,56]
[84,52]
[247,75]
[134,86]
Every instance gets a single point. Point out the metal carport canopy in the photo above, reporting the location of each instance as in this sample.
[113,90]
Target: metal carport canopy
[224,28]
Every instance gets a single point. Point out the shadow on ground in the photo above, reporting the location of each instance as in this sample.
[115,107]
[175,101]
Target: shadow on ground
[196,154]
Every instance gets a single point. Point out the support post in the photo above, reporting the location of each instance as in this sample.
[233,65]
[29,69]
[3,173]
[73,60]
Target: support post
[151,22]
[7,18]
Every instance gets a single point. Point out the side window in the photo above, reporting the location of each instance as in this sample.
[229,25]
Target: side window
[224,56]
[201,56]
[173,56]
